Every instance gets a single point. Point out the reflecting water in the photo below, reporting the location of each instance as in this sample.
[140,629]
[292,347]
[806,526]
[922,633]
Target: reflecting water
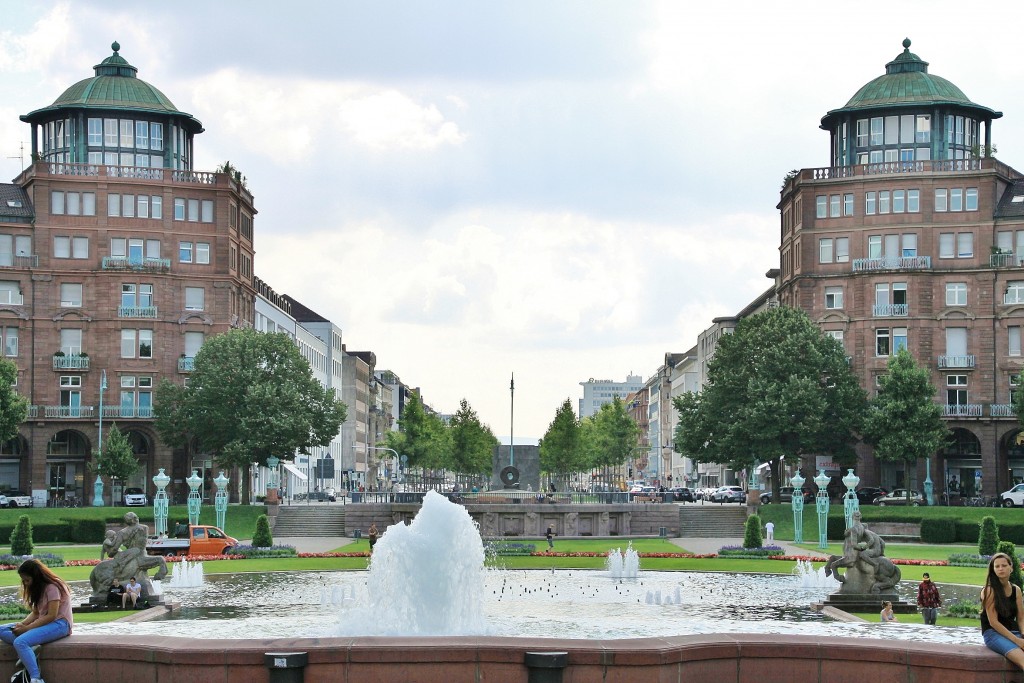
[564,603]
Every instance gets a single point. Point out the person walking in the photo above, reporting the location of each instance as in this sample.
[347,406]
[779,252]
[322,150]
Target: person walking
[769,531]
[50,601]
[550,535]
[372,535]
[928,599]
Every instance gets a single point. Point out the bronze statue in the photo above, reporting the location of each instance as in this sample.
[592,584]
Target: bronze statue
[868,570]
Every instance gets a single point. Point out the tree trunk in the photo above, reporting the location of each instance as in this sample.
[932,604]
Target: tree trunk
[246,492]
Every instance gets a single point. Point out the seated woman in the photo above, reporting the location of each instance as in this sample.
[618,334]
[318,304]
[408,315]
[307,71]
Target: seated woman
[131,592]
[887,613]
[50,601]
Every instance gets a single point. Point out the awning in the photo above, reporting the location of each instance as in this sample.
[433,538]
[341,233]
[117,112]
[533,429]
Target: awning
[295,470]
[762,466]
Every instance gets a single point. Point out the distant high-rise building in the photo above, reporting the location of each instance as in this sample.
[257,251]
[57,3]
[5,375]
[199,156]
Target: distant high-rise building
[597,392]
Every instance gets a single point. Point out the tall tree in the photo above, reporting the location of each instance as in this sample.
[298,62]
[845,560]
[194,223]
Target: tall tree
[472,442]
[776,387]
[903,421]
[561,449]
[117,459]
[252,395]
[13,406]
[422,436]
[610,436]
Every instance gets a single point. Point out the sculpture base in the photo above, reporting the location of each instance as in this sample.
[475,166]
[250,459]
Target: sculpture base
[867,602]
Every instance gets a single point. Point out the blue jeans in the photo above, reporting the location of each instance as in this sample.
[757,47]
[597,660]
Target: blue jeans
[998,642]
[48,633]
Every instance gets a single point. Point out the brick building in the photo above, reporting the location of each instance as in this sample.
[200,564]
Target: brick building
[117,259]
[913,236]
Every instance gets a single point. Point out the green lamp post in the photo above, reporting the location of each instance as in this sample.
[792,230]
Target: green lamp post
[850,502]
[195,501]
[798,507]
[220,502]
[160,481]
[822,502]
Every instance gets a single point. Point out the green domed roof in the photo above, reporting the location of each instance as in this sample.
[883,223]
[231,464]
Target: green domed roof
[907,83]
[115,86]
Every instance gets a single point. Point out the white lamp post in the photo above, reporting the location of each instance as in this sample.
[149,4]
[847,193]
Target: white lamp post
[220,503]
[194,500]
[798,507]
[160,480]
[822,502]
[850,502]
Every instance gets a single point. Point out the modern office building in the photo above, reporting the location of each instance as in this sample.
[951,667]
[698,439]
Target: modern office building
[912,235]
[117,260]
[597,392]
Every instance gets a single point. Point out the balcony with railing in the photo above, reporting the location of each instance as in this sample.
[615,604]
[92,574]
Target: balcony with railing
[861,265]
[962,410]
[186,364]
[133,263]
[136,312]
[19,261]
[890,310]
[139,412]
[127,172]
[73,361]
[33,411]
[956,362]
[905,167]
[1001,410]
[71,412]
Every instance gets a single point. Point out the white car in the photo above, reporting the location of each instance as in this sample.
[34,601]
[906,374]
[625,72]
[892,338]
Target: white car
[1012,498]
[19,499]
[134,496]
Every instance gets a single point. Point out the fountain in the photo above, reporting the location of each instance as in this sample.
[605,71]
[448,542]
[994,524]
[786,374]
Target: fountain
[186,574]
[623,566]
[813,578]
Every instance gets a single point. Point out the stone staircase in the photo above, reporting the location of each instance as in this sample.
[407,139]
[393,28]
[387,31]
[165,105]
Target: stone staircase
[712,520]
[310,520]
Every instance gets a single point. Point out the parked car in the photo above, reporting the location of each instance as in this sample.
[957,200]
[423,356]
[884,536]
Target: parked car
[651,491]
[866,495]
[133,496]
[786,496]
[19,499]
[729,494]
[682,493]
[1012,498]
[3,501]
[899,497]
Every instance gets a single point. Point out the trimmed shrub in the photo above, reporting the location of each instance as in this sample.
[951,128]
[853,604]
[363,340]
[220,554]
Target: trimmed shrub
[938,530]
[86,530]
[262,538]
[762,553]
[968,560]
[836,529]
[1015,576]
[963,609]
[752,537]
[495,548]
[250,552]
[21,537]
[1012,532]
[988,536]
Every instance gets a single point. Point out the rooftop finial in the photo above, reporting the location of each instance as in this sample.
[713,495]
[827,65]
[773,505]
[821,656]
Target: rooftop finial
[906,44]
[115,46]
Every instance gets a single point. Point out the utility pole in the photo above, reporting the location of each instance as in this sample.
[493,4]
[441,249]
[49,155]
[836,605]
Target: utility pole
[512,425]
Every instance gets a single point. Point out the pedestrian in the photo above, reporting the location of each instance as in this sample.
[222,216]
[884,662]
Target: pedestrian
[928,599]
[887,613]
[550,535]
[769,531]
[1002,611]
[50,601]
[372,535]
[133,591]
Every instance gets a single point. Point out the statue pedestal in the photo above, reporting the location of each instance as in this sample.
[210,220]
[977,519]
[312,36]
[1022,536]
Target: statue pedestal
[866,602]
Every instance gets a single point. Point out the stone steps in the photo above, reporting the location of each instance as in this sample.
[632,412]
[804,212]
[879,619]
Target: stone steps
[712,521]
[310,520]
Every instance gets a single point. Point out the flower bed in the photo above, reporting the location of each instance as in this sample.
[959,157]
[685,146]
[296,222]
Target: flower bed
[251,552]
[49,559]
[969,560]
[763,553]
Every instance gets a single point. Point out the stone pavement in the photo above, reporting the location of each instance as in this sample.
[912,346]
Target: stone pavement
[703,546]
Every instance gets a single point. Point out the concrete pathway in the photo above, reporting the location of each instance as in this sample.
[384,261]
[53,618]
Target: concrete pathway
[703,546]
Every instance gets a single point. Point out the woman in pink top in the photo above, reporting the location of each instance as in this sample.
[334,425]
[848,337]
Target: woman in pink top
[50,601]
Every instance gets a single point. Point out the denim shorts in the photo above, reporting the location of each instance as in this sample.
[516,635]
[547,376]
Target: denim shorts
[997,642]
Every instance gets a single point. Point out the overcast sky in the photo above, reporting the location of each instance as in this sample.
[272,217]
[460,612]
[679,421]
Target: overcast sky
[562,190]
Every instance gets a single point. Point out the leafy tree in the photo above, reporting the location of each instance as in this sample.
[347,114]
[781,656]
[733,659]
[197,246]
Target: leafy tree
[1016,576]
[988,536]
[752,537]
[561,449]
[609,436]
[262,537]
[251,395]
[21,537]
[13,406]
[117,459]
[473,442]
[423,436]
[776,387]
[903,422]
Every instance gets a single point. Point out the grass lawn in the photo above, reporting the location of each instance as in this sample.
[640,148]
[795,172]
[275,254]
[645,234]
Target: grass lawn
[916,618]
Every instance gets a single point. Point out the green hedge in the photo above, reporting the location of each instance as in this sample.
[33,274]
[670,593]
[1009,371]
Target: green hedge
[967,532]
[938,531]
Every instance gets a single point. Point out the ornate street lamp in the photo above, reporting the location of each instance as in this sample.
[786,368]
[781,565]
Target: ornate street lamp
[272,485]
[160,480]
[220,502]
[929,487]
[798,507]
[97,487]
[194,500]
[850,502]
[822,501]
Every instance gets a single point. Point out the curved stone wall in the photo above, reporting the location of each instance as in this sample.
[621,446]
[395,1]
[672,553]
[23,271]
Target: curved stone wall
[722,658]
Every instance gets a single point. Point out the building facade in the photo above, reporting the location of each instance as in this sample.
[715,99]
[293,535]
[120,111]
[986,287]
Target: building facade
[117,260]
[597,392]
[913,236]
